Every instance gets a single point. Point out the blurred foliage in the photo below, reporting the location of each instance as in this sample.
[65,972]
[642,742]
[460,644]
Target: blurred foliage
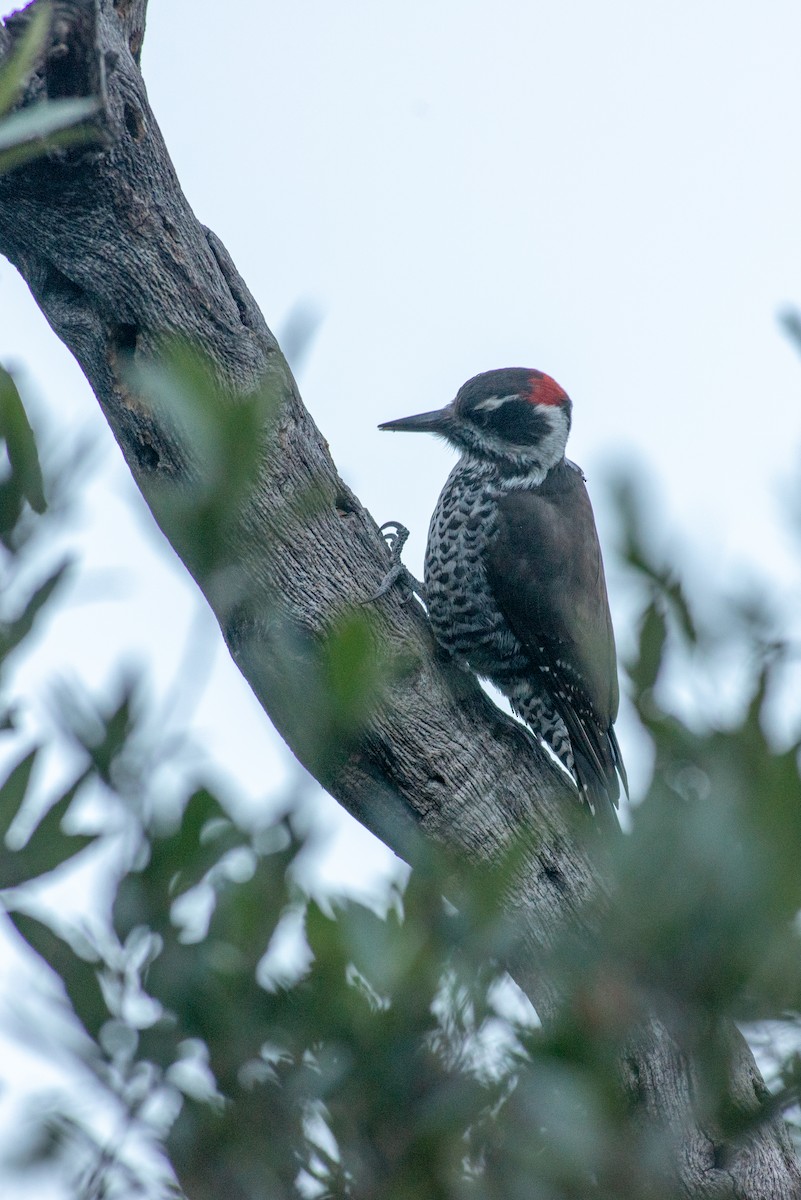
[392,1057]
[218,438]
[217,441]
[47,125]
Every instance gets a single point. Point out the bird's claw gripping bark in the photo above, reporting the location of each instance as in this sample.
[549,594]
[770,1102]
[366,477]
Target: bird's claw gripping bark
[396,536]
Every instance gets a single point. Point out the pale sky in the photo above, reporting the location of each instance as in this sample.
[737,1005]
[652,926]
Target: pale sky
[609,192]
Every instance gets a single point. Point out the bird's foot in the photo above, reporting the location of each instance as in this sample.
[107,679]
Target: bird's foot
[396,536]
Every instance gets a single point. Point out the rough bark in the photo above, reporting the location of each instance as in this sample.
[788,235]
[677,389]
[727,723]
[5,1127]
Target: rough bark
[116,260]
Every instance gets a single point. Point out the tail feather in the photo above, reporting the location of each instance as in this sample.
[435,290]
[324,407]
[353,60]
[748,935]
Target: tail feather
[618,759]
[599,791]
[597,767]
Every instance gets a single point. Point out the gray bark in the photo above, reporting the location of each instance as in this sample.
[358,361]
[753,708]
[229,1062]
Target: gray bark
[116,260]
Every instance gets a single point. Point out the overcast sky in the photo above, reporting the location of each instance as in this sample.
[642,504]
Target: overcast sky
[609,192]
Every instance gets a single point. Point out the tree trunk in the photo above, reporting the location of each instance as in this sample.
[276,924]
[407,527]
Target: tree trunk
[116,261]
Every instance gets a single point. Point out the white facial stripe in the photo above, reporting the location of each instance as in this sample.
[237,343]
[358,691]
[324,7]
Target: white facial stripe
[532,463]
[493,402]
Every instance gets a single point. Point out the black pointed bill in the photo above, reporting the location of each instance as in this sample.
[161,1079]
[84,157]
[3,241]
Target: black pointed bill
[429,422]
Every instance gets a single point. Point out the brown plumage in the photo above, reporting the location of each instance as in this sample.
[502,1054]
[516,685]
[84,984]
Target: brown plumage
[571,644]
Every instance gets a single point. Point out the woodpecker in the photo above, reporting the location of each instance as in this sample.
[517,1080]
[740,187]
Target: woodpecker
[514,580]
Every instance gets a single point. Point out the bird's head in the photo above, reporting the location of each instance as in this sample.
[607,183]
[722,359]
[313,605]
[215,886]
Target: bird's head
[516,418]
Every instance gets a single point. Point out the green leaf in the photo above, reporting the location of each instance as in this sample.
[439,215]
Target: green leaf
[78,976]
[103,737]
[790,319]
[245,915]
[20,444]
[41,122]
[638,553]
[222,435]
[11,505]
[353,673]
[206,834]
[644,670]
[674,594]
[51,125]
[12,794]
[17,630]
[48,846]
[19,65]
[177,861]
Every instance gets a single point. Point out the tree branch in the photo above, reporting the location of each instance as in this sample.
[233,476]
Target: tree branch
[117,261]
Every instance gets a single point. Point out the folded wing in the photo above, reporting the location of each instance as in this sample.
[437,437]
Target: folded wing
[546,572]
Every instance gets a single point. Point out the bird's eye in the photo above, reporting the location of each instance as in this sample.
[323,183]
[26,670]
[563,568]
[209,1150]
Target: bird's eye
[512,420]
